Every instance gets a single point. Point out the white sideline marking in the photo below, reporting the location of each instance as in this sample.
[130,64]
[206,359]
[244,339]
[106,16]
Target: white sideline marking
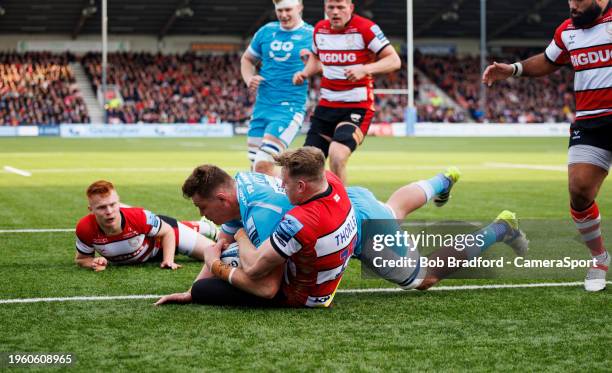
[342,291]
[542,167]
[17,171]
[36,230]
[483,166]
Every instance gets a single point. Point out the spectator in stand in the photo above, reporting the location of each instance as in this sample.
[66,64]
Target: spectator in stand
[39,88]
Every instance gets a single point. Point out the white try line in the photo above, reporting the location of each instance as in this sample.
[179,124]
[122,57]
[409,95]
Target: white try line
[341,291]
[17,171]
[36,230]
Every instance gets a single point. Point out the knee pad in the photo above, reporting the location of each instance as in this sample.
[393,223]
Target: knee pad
[318,141]
[348,134]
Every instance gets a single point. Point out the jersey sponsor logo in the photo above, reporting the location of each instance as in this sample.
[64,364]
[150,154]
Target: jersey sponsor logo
[287,229]
[378,33]
[152,219]
[277,46]
[347,233]
[591,59]
[338,57]
[576,134]
[320,300]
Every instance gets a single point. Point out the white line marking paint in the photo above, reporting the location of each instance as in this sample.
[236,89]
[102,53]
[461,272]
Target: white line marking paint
[36,230]
[341,291]
[17,171]
[541,167]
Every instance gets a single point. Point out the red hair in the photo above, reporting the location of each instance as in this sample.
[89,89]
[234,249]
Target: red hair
[100,187]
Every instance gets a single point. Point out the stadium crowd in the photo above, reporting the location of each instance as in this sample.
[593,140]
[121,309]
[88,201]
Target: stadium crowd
[548,99]
[186,88]
[39,88]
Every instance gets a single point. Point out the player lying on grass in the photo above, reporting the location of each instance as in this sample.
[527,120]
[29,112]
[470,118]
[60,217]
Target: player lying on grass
[259,201]
[131,235]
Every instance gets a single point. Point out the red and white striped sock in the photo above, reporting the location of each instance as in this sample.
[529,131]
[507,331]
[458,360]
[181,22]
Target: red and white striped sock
[588,223]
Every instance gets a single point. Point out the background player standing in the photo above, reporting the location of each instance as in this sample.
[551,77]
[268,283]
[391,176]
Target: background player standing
[585,41]
[280,106]
[351,49]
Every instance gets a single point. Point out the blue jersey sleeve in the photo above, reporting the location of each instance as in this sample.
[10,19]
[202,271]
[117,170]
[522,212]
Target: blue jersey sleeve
[255,46]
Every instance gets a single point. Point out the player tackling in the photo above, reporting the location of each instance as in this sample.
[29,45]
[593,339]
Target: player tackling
[584,41]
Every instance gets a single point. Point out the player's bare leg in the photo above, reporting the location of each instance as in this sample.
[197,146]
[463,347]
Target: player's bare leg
[584,181]
[339,155]
[198,250]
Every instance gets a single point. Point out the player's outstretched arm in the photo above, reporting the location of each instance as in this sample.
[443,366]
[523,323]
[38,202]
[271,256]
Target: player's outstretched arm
[89,261]
[534,66]
[168,243]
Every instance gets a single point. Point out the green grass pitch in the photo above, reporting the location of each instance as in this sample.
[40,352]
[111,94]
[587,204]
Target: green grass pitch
[534,329]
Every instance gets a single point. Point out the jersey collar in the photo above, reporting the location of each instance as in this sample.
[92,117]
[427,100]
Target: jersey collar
[324,194]
[300,24]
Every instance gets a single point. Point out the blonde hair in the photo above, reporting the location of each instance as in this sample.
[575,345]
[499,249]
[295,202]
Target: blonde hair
[307,162]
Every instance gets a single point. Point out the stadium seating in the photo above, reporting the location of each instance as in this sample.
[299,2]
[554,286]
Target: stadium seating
[39,88]
[548,99]
[184,88]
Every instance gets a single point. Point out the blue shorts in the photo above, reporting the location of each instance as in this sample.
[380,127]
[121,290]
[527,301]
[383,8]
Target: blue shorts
[283,122]
[381,220]
[367,207]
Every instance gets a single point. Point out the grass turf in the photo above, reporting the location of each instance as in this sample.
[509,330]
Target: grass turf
[509,329]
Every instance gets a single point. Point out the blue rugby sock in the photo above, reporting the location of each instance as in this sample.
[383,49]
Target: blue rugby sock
[491,234]
[434,186]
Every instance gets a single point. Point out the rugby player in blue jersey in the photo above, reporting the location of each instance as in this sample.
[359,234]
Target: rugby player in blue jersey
[281,48]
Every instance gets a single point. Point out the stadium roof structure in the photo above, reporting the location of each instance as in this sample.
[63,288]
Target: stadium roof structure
[507,19]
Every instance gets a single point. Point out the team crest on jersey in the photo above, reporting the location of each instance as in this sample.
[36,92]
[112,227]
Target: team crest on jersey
[288,228]
[351,41]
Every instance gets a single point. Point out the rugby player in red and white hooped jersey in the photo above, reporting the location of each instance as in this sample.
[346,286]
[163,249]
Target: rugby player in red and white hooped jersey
[350,49]
[130,235]
[584,41]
